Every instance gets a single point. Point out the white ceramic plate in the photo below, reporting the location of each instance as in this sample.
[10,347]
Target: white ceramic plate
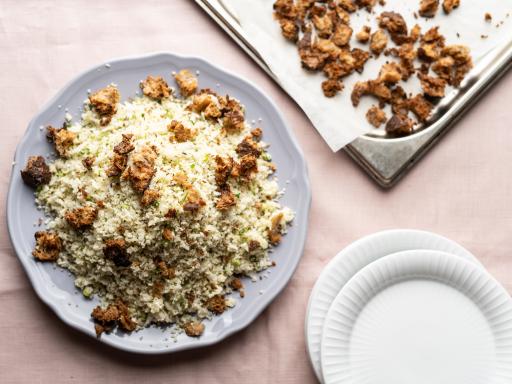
[419,317]
[349,261]
[55,286]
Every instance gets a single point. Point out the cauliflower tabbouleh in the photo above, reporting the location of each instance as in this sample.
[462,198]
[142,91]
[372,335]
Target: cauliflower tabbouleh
[159,204]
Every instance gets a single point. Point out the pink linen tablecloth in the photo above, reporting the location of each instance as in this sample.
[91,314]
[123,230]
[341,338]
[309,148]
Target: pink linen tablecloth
[462,189]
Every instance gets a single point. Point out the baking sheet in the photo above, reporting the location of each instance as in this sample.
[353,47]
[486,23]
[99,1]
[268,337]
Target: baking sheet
[335,119]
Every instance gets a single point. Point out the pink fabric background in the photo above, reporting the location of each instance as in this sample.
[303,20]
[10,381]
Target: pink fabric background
[462,189]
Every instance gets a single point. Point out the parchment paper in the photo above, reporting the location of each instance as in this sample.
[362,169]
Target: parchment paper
[337,121]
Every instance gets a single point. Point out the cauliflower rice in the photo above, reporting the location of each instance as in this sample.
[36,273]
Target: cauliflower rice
[206,249]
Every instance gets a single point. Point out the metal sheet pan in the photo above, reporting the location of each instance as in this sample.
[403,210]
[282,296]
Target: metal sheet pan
[386,160]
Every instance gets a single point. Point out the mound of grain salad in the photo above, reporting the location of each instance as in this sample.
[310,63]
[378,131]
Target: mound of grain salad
[158,205]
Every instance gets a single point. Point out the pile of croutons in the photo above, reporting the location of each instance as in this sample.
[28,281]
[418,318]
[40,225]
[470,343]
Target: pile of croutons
[322,32]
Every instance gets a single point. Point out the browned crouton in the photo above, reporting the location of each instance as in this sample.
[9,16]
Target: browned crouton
[217,304]
[407,54]
[376,116]
[415,33]
[289,29]
[253,245]
[165,270]
[311,58]
[378,42]
[181,179]
[323,25]
[171,213]
[115,250]
[459,53]
[432,86]
[342,34]
[257,133]
[125,146]
[125,321]
[81,218]
[142,168]
[88,162]
[187,82]
[399,125]
[62,139]
[461,57]
[223,169]
[117,165]
[36,172]
[114,314]
[360,59]
[226,199]
[429,52]
[233,121]
[371,87]
[229,104]
[274,232]
[450,5]
[285,8]
[194,329]
[212,111]
[347,5]
[399,101]
[248,166]
[236,284]
[331,87]
[433,35]
[180,133]
[104,102]
[363,36]
[149,197]
[107,315]
[368,4]
[207,103]
[444,68]
[155,88]
[158,289]
[390,73]
[200,102]
[447,69]
[336,70]
[328,47]
[395,24]
[167,234]
[48,246]
[428,8]
[248,147]
[420,107]
[194,201]
[460,73]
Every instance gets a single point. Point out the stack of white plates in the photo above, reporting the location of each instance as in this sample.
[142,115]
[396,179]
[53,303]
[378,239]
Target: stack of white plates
[409,307]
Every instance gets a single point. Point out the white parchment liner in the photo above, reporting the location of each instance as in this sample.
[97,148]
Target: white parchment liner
[337,121]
